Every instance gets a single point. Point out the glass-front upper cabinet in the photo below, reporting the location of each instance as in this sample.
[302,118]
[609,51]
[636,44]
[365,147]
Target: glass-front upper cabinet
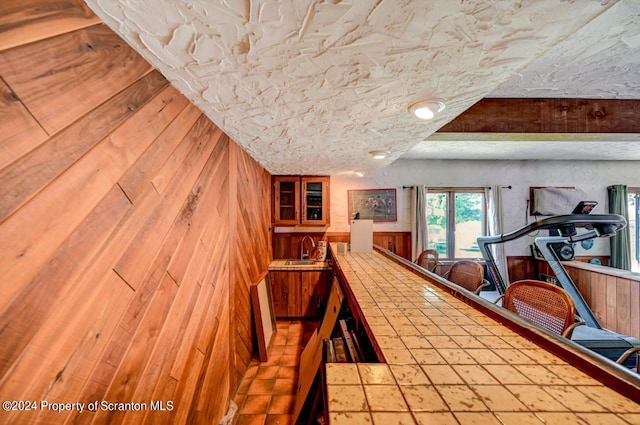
[300,201]
[286,201]
[315,200]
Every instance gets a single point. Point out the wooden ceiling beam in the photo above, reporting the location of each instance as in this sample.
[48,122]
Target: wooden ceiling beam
[548,115]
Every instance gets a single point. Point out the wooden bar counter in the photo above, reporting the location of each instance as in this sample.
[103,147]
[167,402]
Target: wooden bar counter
[450,358]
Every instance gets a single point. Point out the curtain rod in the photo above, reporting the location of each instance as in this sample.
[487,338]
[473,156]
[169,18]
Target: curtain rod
[462,187]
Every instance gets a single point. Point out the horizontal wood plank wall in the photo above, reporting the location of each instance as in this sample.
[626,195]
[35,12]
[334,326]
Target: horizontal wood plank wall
[287,245]
[120,262]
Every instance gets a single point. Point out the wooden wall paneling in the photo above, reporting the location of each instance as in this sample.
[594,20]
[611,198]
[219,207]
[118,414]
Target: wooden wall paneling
[20,131]
[186,390]
[240,350]
[26,21]
[634,309]
[283,245]
[199,208]
[191,333]
[22,317]
[287,245]
[24,178]
[156,381]
[162,415]
[598,291]
[130,369]
[215,270]
[520,268]
[250,203]
[134,262]
[102,375]
[75,335]
[151,162]
[396,242]
[614,301]
[66,201]
[582,280]
[623,306]
[546,269]
[218,275]
[165,175]
[213,379]
[183,364]
[213,341]
[611,298]
[94,59]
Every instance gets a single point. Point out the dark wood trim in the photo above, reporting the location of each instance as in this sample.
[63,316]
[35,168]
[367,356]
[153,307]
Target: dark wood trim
[506,115]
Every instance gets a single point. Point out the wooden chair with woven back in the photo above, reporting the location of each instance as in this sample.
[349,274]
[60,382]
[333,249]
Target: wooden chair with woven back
[428,259]
[468,274]
[546,305]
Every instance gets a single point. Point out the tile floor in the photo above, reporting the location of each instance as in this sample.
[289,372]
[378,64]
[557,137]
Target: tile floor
[266,394]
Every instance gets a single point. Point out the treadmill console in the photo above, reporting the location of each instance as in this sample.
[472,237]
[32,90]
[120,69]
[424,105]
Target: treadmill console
[584,207]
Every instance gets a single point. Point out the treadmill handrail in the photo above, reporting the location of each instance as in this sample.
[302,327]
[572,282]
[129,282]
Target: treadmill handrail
[587,221]
[577,220]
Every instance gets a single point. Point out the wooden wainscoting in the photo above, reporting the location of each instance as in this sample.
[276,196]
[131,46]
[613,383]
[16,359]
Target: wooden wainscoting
[287,245]
[614,300]
[520,267]
[131,229]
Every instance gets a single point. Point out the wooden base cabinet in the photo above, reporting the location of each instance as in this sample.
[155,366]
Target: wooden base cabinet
[299,293]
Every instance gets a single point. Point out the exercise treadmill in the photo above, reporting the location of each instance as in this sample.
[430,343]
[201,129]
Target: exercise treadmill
[592,336]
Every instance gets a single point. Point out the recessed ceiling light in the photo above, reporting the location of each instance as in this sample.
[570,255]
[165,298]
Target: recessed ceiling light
[379,154]
[427,108]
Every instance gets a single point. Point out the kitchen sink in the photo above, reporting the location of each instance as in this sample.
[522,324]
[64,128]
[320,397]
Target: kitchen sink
[296,262]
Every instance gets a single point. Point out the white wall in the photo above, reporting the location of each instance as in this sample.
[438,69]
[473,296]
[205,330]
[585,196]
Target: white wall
[592,177]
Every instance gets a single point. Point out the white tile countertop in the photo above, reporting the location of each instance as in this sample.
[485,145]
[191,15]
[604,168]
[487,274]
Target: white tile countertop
[449,363]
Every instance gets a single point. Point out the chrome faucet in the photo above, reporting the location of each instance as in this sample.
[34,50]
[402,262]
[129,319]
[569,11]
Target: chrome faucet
[304,254]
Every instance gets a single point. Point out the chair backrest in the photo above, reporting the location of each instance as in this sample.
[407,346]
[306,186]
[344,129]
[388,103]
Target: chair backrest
[468,274]
[542,303]
[428,259]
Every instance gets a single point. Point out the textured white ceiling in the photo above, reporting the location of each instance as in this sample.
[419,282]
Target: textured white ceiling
[310,87]
[600,60]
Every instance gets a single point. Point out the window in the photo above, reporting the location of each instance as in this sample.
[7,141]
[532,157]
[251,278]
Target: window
[455,219]
[634,226]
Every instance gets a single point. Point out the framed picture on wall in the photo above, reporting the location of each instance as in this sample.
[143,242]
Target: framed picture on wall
[373,204]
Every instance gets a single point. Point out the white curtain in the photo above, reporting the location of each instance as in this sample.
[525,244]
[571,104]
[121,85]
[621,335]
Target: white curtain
[419,232]
[493,200]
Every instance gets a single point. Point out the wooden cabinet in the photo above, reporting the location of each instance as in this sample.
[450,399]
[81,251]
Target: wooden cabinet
[315,201]
[285,287]
[300,201]
[298,293]
[314,288]
[286,200]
